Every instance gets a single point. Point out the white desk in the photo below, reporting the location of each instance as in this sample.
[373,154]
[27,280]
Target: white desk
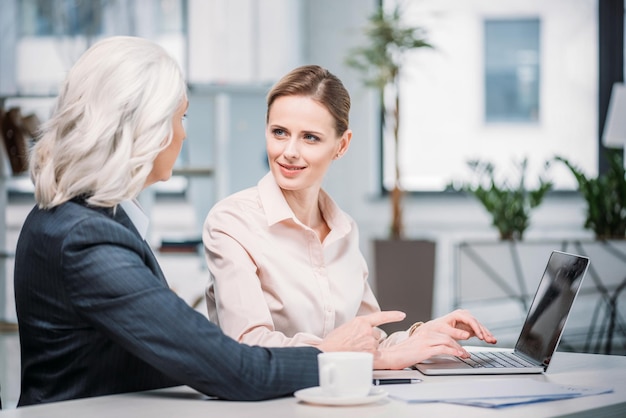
[567,368]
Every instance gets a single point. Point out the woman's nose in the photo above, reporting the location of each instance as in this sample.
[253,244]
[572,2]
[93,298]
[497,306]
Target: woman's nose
[291,149]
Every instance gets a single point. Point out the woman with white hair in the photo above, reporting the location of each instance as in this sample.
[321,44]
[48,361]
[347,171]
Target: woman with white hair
[95,313]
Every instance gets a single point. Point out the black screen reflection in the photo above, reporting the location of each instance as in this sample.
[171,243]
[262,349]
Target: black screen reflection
[550,307]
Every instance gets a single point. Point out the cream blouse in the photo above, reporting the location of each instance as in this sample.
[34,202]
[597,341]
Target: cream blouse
[272,282]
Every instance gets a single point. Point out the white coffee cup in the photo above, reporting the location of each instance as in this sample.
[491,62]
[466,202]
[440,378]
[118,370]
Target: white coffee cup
[345,374]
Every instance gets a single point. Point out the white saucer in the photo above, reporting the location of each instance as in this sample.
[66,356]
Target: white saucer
[315,395]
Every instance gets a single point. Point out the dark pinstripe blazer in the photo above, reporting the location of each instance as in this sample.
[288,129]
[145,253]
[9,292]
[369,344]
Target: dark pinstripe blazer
[97,317]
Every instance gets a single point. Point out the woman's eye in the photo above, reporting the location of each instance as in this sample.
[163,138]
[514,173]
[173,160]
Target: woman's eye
[311,138]
[278,132]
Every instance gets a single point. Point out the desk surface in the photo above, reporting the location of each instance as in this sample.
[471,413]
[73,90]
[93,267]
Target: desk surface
[566,368]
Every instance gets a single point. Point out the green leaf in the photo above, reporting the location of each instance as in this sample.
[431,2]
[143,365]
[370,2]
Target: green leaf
[605,196]
[509,203]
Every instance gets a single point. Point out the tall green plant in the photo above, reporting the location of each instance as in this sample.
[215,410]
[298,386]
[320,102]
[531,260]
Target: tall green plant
[380,63]
[508,203]
[605,196]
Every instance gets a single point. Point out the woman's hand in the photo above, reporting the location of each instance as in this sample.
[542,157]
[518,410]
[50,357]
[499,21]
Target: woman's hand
[360,334]
[436,337]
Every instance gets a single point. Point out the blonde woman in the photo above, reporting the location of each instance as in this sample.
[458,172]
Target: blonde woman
[286,268]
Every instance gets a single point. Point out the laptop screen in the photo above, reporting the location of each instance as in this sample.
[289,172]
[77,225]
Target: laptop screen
[551,306]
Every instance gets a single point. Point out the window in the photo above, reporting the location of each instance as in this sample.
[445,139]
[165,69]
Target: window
[512,70]
[505,81]
[61,17]
[57,32]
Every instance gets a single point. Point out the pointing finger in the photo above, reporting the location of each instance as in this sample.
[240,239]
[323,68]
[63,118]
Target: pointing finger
[378,318]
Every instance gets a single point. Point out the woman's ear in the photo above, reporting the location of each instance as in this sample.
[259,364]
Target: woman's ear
[344,143]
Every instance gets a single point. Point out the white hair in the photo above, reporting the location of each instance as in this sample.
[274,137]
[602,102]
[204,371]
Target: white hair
[112,118]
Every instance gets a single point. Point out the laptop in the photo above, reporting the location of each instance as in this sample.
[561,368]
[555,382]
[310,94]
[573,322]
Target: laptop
[541,332]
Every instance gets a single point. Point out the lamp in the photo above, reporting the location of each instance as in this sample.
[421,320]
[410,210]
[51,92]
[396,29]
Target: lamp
[614,135]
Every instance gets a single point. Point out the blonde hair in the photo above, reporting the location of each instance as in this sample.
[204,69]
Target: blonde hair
[320,85]
[112,118]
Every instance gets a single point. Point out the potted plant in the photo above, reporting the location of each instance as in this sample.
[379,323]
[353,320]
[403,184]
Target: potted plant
[380,63]
[605,196]
[406,267]
[508,202]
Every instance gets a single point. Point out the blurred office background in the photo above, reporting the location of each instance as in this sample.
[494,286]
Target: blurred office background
[506,80]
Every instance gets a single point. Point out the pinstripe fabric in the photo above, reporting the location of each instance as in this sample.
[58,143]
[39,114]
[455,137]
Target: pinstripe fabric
[96,317]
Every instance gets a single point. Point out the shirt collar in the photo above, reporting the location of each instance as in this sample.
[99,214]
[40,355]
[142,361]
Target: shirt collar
[137,216]
[277,209]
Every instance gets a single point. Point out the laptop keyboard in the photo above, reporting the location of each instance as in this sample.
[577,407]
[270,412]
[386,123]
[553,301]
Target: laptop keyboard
[495,359]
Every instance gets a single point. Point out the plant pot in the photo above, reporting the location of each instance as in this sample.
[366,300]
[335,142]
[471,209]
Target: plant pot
[405,274]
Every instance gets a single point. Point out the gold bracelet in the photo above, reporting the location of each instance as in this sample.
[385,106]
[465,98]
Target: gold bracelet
[414,327]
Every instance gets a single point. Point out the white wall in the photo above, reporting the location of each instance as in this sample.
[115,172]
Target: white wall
[226,38]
